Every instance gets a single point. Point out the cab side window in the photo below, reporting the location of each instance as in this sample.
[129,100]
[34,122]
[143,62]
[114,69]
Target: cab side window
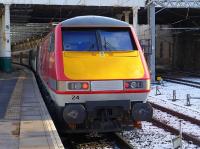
[51,42]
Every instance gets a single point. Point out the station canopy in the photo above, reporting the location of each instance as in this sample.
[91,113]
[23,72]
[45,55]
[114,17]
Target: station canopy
[29,22]
[32,21]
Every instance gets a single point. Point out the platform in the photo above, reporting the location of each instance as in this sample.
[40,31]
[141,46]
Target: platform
[24,119]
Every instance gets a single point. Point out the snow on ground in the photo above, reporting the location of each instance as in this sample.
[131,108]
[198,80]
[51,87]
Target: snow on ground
[175,106]
[152,137]
[187,127]
[191,79]
[165,99]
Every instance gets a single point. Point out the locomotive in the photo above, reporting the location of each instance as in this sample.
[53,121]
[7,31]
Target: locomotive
[96,75]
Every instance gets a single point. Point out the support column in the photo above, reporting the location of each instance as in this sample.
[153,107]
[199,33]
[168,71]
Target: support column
[1,39]
[119,16]
[126,16]
[135,18]
[152,25]
[5,54]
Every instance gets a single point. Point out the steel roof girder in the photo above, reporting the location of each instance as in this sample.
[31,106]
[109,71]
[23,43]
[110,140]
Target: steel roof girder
[176,3]
[121,3]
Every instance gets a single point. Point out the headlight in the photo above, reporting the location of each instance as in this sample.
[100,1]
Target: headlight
[78,86]
[73,86]
[137,84]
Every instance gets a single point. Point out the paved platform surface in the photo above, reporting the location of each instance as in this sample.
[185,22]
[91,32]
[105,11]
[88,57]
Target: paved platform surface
[24,119]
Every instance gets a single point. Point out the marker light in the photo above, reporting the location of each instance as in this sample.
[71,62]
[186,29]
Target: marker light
[85,85]
[126,85]
[137,84]
[78,86]
[73,86]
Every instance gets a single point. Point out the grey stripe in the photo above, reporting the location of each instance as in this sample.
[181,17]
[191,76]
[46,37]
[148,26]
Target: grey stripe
[106,85]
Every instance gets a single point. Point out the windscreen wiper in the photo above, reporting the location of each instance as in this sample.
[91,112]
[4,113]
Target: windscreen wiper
[107,45]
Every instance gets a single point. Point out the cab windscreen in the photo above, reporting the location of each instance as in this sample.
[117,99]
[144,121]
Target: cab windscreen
[98,39]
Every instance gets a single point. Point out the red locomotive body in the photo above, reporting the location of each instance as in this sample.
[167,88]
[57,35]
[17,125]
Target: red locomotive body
[95,72]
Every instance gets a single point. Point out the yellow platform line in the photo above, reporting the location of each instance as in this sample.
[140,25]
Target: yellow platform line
[14,105]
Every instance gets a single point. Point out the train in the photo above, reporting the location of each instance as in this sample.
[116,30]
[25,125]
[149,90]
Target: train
[95,73]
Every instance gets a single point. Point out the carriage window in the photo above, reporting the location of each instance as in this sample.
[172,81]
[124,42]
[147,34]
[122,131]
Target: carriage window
[98,39]
[79,41]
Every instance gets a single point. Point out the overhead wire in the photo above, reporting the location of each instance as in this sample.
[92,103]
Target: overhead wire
[184,18]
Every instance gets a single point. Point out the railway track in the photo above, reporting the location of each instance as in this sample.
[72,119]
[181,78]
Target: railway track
[182,81]
[192,74]
[179,116]
[100,141]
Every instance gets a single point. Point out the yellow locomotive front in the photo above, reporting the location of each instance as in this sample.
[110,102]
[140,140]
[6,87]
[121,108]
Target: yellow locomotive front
[106,78]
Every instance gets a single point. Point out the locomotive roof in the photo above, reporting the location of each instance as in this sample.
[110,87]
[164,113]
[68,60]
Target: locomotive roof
[93,21]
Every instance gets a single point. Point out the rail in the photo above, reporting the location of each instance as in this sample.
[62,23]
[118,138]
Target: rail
[181,81]
[86,141]
[186,136]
